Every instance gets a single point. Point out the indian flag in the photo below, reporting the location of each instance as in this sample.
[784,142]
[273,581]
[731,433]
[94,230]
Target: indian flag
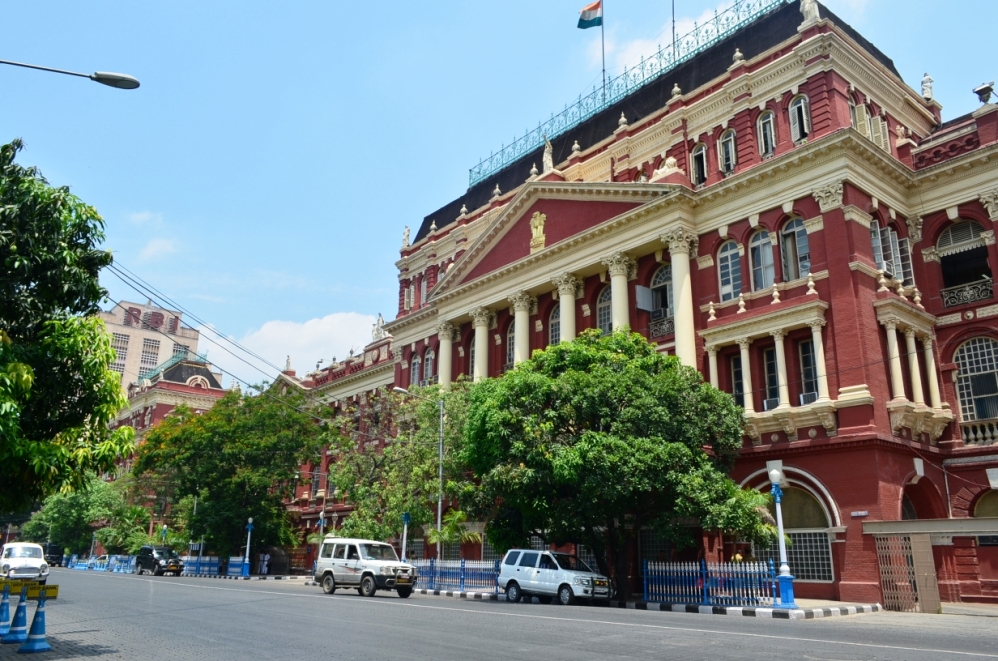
[591,16]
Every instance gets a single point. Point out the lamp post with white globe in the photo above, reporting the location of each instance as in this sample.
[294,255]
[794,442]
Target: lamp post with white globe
[785,579]
[246,558]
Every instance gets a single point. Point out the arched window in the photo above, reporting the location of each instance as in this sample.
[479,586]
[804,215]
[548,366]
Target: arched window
[661,293]
[761,255]
[554,325]
[429,363]
[977,379]
[800,119]
[726,150]
[796,252]
[987,505]
[510,345]
[806,524]
[415,373]
[892,253]
[767,135]
[729,266]
[604,312]
[963,256]
[698,172]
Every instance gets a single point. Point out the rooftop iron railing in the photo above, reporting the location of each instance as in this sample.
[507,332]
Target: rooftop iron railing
[702,37]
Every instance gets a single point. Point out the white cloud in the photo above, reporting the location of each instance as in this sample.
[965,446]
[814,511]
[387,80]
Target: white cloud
[305,343]
[146,218]
[158,248]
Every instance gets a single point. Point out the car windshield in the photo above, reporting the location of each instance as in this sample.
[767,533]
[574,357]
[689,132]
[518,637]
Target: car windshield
[166,553]
[23,552]
[566,561]
[377,552]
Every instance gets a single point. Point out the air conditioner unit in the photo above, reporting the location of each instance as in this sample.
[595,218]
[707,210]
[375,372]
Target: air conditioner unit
[770,404]
[808,398]
[660,313]
[424,382]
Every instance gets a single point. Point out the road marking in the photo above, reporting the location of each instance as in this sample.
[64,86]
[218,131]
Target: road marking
[405,603]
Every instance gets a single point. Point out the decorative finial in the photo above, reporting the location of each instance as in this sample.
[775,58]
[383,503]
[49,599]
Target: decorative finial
[496,193]
[533,170]
[287,364]
[711,312]
[776,294]
[738,57]
[433,226]
[917,299]
[576,148]
[882,281]
[464,209]
[810,285]
[741,303]
[900,289]
[622,121]
[676,92]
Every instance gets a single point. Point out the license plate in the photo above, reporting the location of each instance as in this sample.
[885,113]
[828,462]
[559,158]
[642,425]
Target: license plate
[598,591]
[403,579]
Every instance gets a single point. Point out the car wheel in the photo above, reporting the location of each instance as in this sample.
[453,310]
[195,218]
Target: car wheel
[157,572]
[565,596]
[545,600]
[368,587]
[328,584]
[404,592]
[513,593]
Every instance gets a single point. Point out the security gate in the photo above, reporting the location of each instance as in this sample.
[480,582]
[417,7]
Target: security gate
[908,573]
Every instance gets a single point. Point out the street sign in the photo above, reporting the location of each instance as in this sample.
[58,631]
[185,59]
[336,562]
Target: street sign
[34,589]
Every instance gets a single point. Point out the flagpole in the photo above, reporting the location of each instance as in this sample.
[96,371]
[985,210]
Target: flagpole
[602,42]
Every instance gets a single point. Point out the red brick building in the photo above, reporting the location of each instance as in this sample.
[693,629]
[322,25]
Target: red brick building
[782,212]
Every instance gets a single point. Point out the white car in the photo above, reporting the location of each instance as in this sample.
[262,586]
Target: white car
[364,564]
[24,561]
[548,575]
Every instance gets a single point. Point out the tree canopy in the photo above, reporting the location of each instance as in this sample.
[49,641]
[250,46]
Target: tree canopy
[593,439]
[57,392]
[240,459]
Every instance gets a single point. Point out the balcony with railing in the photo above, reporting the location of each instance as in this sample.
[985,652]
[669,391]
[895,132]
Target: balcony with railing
[662,327]
[980,290]
[980,432]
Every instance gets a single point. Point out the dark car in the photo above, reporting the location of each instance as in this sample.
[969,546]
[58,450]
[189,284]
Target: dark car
[158,560]
[54,554]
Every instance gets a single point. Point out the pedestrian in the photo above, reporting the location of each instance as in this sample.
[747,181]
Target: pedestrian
[266,563]
[259,563]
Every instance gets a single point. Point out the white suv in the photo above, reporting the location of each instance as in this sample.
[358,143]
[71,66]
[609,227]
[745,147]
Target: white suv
[549,574]
[364,564]
[20,560]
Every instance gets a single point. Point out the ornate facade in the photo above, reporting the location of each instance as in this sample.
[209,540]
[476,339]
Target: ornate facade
[786,215]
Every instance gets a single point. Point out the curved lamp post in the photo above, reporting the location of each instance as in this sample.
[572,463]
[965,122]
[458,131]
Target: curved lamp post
[440,459]
[785,579]
[120,80]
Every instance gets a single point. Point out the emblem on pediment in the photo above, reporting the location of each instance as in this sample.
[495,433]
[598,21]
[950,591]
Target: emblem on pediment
[915,229]
[829,197]
[537,237]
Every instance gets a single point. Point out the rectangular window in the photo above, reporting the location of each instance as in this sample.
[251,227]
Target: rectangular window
[772,380]
[327,551]
[808,373]
[150,354]
[181,349]
[119,342]
[809,556]
[737,384]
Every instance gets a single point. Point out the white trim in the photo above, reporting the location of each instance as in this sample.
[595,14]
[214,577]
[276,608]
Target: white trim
[824,492]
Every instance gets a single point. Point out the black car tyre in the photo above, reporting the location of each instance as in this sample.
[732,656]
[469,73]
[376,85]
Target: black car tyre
[404,592]
[565,596]
[513,593]
[545,600]
[157,572]
[328,584]
[367,586]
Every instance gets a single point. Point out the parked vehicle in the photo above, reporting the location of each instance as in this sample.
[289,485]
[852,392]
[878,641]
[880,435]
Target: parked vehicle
[158,560]
[364,564]
[24,561]
[54,554]
[549,575]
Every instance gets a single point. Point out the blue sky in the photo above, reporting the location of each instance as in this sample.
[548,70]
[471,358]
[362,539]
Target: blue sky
[262,174]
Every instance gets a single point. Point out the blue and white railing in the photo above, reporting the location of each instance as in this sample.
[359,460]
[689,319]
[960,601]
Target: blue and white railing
[461,575]
[711,584]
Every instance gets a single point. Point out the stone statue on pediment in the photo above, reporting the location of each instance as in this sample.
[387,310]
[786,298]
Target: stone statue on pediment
[809,8]
[405,237]
[668,166]
[537,238]
[927,87]
[378,329]
[547,164]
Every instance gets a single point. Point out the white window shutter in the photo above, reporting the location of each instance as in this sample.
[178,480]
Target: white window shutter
[806,112]
[863,121]
[878,255]
[904,246]
[794,124]
[644,298]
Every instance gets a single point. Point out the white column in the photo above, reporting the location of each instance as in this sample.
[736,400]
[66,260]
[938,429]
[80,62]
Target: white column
[712,360]
[619,266]
[781,368]
[682,244]
[445,332]
[567,284]
[894,359]
[930,367]
[819,359]
[523,303]
[481,318]
[749,395]
[913,368]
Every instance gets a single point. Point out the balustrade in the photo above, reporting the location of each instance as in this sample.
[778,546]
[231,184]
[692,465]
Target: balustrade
[980,290]
[661,327]
[980,432]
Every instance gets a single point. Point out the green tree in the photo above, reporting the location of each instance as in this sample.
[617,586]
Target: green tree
[593,439]
[71,519]
[57,393]
[453,530]
[240,459]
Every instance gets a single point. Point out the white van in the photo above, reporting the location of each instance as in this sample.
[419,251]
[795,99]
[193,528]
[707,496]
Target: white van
[364,564]
[548,575]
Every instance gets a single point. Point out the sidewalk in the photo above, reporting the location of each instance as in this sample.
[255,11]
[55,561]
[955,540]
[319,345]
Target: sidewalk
[809,609]
[976,610]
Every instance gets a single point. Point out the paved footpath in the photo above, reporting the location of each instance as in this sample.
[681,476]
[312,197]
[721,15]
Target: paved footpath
[119,616]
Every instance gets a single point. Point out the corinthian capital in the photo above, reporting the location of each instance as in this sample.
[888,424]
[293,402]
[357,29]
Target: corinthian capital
[990,201]
[523,302]
[681,241]
[567,285]
[445,331]
[620,264]
[829,197]
[481,317]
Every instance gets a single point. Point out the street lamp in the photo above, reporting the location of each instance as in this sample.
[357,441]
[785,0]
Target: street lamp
[785,579]
[120,80]
[246,558]
[440,459]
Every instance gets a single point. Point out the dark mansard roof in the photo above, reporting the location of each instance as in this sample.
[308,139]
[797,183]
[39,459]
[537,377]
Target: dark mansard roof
[755,38]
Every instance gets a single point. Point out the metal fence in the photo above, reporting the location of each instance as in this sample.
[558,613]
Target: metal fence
[118,564]
[206,565]
[711,584]
[461,575]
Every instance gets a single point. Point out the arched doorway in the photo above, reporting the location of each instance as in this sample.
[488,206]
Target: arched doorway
[920,500]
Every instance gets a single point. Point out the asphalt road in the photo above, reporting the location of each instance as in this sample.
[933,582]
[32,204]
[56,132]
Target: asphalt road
[117,616]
